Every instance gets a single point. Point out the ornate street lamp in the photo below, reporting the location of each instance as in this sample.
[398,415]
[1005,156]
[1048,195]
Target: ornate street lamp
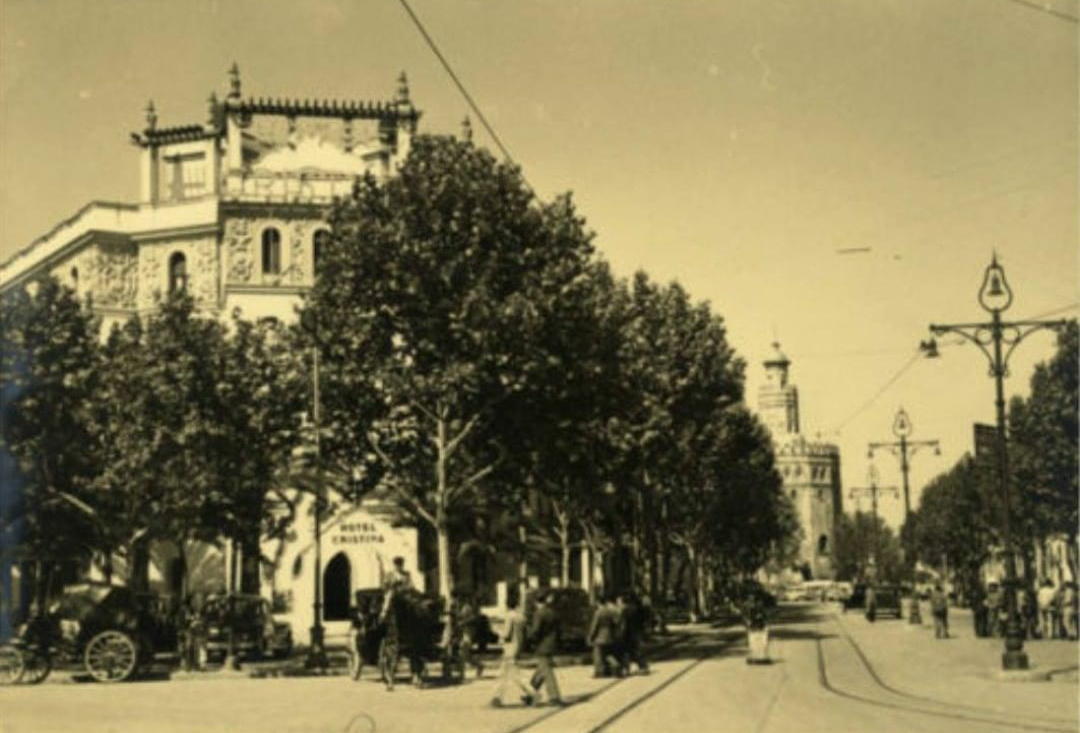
[872,489]
[995,296]
[904,449]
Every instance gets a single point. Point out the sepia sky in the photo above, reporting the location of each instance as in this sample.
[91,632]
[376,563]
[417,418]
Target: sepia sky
[732,145]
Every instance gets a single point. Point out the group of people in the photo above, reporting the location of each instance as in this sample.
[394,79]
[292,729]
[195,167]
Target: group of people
[1047,613]
[616,634]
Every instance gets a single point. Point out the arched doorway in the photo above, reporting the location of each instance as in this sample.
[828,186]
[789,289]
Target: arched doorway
[337,584]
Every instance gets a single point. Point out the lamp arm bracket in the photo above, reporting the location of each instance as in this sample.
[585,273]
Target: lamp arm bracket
[1016,331]
[980,334]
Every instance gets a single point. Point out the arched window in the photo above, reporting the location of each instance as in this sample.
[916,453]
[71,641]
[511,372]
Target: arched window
[319,242]
[177,273]
[75,279]
[271,251]
[823,544]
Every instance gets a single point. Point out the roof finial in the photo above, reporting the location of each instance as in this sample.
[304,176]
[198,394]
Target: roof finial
[234,82]
[466,129]
[212,101]
[403,89]
[151,116]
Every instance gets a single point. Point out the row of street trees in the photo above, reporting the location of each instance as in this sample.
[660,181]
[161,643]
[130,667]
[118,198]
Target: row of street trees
[482,371]
[960,519]
[169,430]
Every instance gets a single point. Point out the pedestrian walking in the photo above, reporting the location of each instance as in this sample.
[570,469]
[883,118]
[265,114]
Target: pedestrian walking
[1058,608]
[978,611]
[466,621]
[603,636]
[513,641]
[1029,612]
[1071,607]
[871,603]
[635,624]
[1044,602]
[544,635]
[939,607]
[994,609]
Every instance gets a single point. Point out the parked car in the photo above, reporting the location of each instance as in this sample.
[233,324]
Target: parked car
[255,633]
[857,598]
[888,600]
[110,632]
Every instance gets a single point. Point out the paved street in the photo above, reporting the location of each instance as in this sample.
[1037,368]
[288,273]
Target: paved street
[832,673]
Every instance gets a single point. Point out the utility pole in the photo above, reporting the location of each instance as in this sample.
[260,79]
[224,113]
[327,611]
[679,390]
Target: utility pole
[873,490]
[998,339]
[904,449]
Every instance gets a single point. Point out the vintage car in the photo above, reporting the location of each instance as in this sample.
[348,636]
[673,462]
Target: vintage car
[249,621]
[110,632]
[887,598]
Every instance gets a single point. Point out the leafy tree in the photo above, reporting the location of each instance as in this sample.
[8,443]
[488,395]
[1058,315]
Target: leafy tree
[431,313]
[860,537]
[159,432]
[680,373]
[261,393]
[1043,442]
[49,360]
[955,523]
[728,501]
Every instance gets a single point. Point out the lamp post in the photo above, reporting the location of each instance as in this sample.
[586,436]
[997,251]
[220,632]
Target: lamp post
[904,449]
[317,651]
[872,490]
[997,339]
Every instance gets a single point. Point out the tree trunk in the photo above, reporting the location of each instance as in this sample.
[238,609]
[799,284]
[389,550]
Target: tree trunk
[139,565]
[563,531]
[695,572]
[523,560]
[442,530]
[249,563]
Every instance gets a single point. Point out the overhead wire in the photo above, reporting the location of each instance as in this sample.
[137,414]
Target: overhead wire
[1046,9]
[461,88]
[892,380]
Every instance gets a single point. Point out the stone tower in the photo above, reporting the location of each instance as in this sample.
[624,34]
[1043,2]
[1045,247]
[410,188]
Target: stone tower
[810,469]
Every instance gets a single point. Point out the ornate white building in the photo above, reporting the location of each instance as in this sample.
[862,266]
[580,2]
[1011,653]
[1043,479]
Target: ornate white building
[811,469]
[233,211]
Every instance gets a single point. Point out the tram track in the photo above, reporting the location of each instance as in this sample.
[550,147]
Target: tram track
[637,702]
[921,705]
[880,682]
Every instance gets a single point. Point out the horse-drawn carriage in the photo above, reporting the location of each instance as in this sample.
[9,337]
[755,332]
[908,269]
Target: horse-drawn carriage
[109,632]
[396,624]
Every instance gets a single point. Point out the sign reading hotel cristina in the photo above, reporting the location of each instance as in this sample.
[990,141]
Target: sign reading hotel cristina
[357,533]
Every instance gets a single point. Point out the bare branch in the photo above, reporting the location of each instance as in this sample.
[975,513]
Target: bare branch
[456,440]
[472,480]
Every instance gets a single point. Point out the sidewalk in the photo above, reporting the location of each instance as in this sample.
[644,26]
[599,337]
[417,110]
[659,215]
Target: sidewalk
[961,670]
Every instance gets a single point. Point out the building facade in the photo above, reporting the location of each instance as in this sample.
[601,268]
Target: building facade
[233,212]
[810,469]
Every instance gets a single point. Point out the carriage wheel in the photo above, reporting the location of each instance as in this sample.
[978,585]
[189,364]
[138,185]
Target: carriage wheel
[11,665]
[36,667]
[111,656]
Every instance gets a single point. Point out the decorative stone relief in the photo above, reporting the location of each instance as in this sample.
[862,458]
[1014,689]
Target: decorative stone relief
[206,272]
[240,250]
[151,276]
[298,234]
[116,270]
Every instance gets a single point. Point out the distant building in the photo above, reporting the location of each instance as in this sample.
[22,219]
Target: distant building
[810,469]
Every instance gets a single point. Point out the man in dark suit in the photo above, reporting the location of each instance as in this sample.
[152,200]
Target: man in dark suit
[544,635]
[603,636]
